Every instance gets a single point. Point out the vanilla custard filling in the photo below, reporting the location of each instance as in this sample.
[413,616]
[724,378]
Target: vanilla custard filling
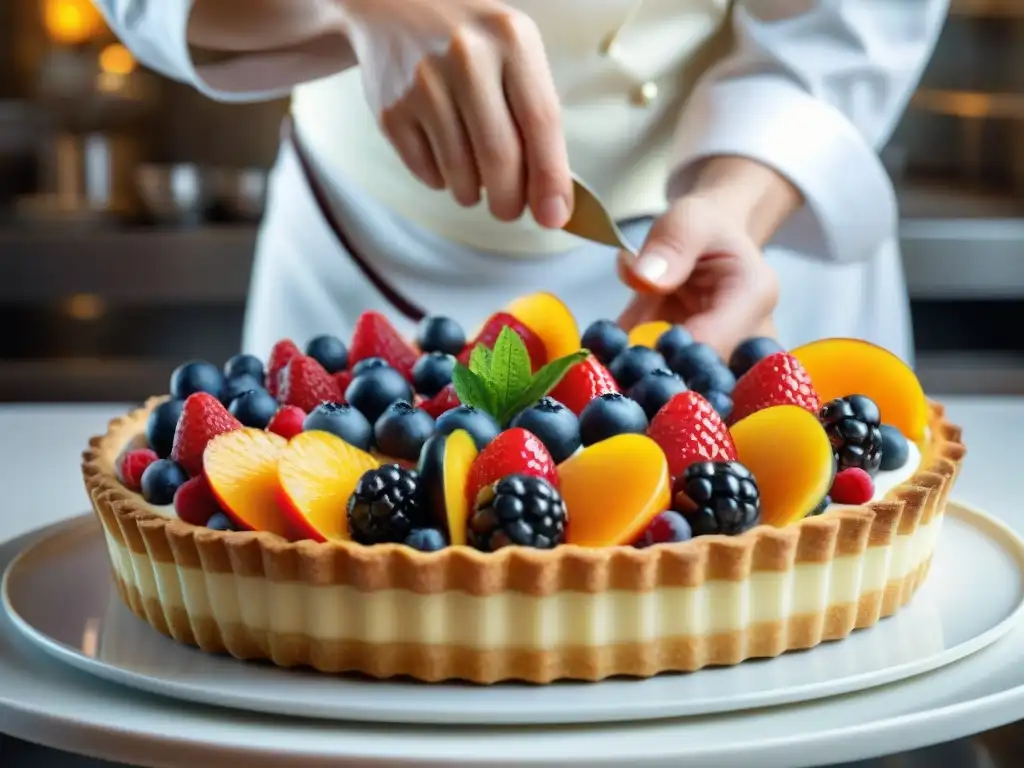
[515,620]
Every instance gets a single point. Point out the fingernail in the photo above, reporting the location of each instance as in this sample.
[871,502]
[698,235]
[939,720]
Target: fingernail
[651,266]
[553,212]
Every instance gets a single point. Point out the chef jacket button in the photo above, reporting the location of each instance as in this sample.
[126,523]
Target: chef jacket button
[645,94]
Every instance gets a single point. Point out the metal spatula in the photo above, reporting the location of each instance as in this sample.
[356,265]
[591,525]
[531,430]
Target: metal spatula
[592,221]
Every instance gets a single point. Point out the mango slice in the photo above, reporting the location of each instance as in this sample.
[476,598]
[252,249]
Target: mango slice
[647,334]
[546,315]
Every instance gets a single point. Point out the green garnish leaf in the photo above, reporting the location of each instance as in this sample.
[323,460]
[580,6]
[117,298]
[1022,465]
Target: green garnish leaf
[546,379]
[480,362]
[511,371]
[472,389]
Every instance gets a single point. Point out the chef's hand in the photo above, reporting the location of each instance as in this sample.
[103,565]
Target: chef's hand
[702,264]
[463,91]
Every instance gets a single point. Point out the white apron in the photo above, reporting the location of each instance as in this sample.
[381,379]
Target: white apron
[304,283]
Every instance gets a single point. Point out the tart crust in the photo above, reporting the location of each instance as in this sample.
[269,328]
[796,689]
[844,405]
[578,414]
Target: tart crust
[521,614]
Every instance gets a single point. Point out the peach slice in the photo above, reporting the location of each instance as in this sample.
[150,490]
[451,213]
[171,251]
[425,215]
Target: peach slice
[241,467]
[317,474]
[546,315]
[444,469]
[647,334]
[841,367]
[613,489]
[788,451]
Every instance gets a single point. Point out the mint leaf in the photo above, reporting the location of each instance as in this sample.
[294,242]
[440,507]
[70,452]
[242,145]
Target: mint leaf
[544,381]
[472,389]
[480,362]
[510,370]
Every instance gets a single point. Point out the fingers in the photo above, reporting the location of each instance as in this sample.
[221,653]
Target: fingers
[641,309]
[532,97]
[496,146]
[668,256]
[410,141]
[447,136]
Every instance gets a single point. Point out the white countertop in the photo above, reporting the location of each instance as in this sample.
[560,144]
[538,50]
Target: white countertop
[40,447]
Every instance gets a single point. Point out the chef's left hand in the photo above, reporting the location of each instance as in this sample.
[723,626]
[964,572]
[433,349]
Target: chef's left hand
[702,264]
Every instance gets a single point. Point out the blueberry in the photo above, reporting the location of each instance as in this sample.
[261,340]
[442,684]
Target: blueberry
[655,389]
[633,363]
[554,425]
[440,334]
[160,426]
[196,376]
[481,426]
[720,401]
[751,352]
[669,527]
[605,339]
[160,480]
[895,448]
[254,409]
[426,539]
[220,522]
[432,373]
[402,430]
[368,363]
[373,390]
[342,420]
[329,351]
[673,340]
[717,378]
[244,364]
[238,386]
[694,359]
[609,415]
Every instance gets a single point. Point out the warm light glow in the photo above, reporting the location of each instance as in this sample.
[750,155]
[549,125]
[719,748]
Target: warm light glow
[115,59]
[86,306]
[71,21]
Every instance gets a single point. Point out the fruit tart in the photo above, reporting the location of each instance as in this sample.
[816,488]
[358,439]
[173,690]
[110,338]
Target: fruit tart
[529,504]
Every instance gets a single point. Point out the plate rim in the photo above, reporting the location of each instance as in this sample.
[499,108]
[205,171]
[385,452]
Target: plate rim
[987,524]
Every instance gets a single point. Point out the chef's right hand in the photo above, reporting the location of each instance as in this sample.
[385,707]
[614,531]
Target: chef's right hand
[463,91]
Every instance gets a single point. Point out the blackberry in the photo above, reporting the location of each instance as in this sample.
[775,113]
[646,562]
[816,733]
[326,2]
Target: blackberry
[852,424]
[518,510]
[718,497]
[385,506]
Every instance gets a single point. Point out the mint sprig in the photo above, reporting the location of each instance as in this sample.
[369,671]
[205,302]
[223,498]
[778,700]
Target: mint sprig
[501,381]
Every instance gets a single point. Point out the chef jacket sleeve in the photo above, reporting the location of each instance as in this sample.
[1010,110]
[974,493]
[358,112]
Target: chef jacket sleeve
[156,31]
[813,89]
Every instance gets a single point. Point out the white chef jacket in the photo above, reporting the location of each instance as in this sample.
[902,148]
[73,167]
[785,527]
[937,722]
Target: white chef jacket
[809,88]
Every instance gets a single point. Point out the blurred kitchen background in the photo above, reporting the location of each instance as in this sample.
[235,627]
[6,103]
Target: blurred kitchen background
[129,205]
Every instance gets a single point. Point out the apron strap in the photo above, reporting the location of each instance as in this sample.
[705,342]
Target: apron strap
[403,305]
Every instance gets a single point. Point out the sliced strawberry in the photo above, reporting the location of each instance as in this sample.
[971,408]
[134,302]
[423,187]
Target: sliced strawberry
[280,356]
[203,417]
[442,402]
[343,379]
[374,336]
[514,451]
[489,334]
[778,379]
[194,501]
[305,383]
[582,383]
[688,430]
[287,422]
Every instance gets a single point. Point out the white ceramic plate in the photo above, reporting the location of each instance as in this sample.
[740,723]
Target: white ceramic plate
[96,633]
[56,705]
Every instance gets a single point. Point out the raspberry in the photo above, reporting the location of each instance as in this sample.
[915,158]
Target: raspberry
[132,464]
[194,501]
[852,486]
[287,422]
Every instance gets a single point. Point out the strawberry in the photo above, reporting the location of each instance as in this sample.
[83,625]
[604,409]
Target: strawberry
[442,402]
[778,379]
[132,464]
[374,336]
[287,422]
[514,451]
[688,430]
[202,419]
[582,383]
[194,501]
[305,383]
[343,379]
[489,334]
[280,356]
